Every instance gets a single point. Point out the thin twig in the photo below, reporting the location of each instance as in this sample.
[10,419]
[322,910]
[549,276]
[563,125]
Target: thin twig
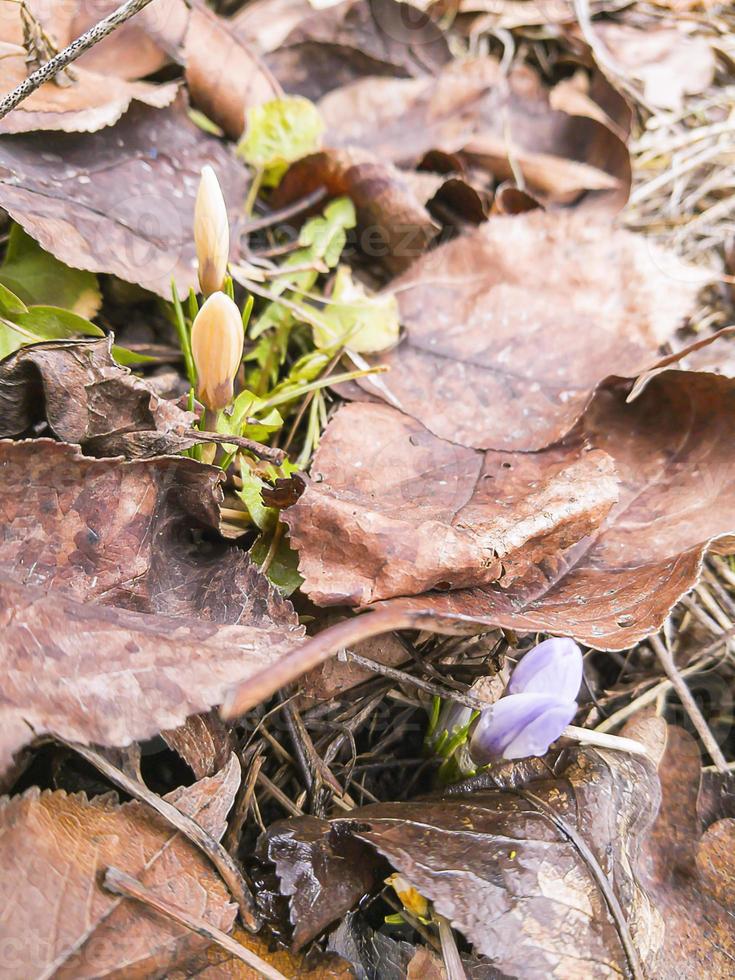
[268,453]
[185,824]
[469,700]
[706,659]
[64,58]
[276,217]
[278,795]
[120,883]
[690,705]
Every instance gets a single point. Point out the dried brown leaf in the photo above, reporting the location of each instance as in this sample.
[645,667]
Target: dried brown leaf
[85,397]
[120,200]
[59,921]
[510,328]
[96,556]
[314,52]
[87,101]
[216,964]
[225,76]
[359,530]
[501,124]
[204,742]
[393,510]
[393,221]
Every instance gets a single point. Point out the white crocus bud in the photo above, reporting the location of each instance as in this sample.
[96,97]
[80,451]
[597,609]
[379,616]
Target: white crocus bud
[217,338]
[211,233]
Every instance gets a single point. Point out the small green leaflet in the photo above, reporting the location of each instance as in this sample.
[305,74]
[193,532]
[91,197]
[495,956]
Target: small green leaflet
[279,132]
[353,319]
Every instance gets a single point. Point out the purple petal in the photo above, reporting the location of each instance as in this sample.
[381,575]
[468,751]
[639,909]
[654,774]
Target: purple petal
[519,725]
[553,667]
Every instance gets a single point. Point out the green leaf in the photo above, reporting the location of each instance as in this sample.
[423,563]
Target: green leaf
[247,405]
[10,304]
[130,358]
[322,239]
[53,323]
[279,132]
[39,323]
[250,494]
[283,570]
[353,319]
[39,278]
[326,236]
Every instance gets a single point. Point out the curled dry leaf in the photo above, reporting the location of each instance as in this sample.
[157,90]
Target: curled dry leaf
[393,504]
[478,366]
[569,875]
[393,221]
[85,397]
[86,102]
[98,555]
[120,200]
[502,124]
[54,847]
[225,76]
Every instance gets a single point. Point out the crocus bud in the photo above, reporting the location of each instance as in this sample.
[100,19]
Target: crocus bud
[217,339]
[211,233]
[539,705]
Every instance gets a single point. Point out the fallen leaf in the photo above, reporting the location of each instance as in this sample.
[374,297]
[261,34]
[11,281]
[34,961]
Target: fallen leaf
[477,366]
[501,124]
[394,224]
[551,877]
[216,964]
[224,75]
[59,921]
[120,200]
[156,670]
[327,49]
[430,514]
[669,64]
[336,676]
[392,507]
[129,52]
[322,873]
[204,742]
[86,398]
[98,554]
[88,102]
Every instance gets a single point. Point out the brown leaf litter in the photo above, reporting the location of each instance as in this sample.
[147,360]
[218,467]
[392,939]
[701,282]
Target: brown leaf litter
[608,584]
[584,866]
[510,328]
[55,846]
[99,555]
[86,101]
[120,200]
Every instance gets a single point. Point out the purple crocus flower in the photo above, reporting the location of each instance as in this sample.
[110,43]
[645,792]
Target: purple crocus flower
[537,707]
